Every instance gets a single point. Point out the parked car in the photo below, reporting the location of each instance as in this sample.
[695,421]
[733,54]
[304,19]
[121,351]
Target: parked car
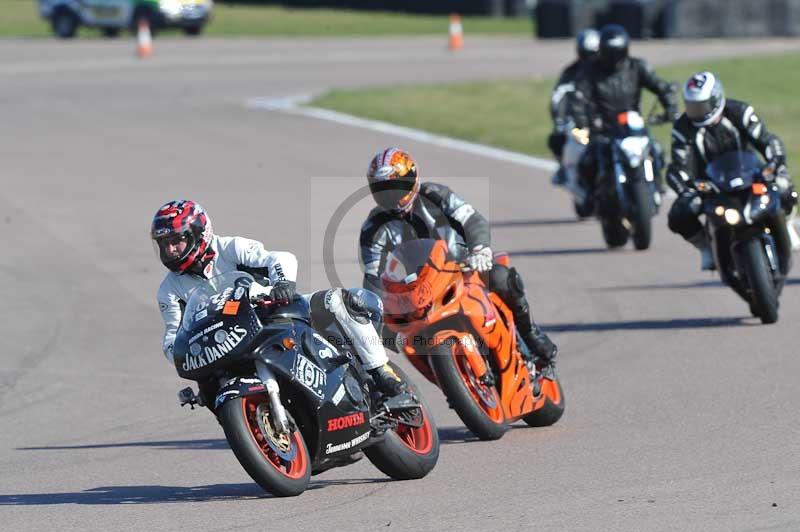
[112,16]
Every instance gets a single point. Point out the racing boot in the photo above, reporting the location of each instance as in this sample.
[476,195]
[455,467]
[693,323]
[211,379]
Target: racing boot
[389,383]
[706,257]
[542,351]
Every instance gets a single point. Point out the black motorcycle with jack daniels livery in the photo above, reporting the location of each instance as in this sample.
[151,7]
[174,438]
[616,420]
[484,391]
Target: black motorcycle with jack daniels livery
[293,401]
[747,230]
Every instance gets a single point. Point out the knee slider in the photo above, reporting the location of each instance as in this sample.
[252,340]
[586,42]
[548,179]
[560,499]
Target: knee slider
[320,314]
[363,306]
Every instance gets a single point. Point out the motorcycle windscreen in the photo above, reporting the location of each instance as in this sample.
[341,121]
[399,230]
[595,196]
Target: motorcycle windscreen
[405,279]
[216,322]
[405,262]
[734,170]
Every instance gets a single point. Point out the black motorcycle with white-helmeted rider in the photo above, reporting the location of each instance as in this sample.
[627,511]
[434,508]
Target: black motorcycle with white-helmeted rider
[293,401]
[746,227]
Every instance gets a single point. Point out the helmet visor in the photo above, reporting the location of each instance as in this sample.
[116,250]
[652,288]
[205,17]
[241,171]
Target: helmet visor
[703,111]
[613,57]
[394,194]
[173,248]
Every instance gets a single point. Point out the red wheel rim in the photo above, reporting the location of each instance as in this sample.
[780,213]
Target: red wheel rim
[418,439]
[295,468]
[486,397]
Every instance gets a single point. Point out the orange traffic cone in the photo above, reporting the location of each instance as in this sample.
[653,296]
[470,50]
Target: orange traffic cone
[144,40]
[456,33]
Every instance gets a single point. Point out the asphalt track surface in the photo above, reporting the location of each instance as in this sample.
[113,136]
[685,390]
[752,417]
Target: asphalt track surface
[682,411]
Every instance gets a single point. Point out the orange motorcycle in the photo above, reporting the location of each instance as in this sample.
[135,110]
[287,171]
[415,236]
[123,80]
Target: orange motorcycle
[462,338]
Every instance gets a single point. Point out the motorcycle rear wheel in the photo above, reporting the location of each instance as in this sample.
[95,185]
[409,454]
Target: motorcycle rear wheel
[244,431]
[550,406]
[407,452]
[763,296]
[477,404]
[614,232]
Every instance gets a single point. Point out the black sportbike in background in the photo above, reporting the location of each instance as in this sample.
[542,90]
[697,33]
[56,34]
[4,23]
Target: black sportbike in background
[291,403]
[626,195]
[747,230]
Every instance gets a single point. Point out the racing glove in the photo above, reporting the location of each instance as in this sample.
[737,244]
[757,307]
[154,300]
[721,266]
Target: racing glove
[283,291]
[480,259]
[692,200]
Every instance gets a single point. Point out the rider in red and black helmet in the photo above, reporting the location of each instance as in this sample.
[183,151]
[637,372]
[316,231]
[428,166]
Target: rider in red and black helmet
[182,233]
[393,180]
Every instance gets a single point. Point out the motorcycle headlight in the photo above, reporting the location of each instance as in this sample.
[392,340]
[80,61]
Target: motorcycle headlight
[634,149]
[732,216]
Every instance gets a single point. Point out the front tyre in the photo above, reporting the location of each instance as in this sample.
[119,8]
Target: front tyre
[407,452]
[477,404]
[279,464]
[642,215]
[763,297]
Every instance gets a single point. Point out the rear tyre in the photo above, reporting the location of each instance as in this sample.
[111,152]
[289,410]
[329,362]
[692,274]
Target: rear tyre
[193,31]
[477,404]
[110,33]
[550,406]
[763,297]
[281,466]
[583,210]
[407,452]
[614,232]
[65,23]
[642,216]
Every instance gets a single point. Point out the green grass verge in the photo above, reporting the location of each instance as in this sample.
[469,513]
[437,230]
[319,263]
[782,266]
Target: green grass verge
[514,114]
[20,18]
[258,20]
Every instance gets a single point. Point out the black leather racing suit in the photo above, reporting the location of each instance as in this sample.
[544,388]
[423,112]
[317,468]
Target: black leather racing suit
[561,103]
[441,214]
[601,94]
[739,128]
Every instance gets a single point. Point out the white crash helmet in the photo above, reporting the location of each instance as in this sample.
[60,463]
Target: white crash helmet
[704,98]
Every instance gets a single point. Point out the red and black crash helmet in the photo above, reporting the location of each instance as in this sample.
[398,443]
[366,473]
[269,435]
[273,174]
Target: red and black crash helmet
[183,221]
[393,180]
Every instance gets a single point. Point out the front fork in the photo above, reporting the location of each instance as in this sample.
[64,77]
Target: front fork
[622,179]
[279,417]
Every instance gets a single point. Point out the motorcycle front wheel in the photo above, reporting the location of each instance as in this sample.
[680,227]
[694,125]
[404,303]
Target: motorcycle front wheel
[278,463]
[642,215]
[763,296]
[477,404]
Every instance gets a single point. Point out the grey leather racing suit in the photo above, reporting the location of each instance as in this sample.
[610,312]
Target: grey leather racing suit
[238,253]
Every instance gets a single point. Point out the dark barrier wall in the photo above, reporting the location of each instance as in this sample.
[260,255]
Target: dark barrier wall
[462,7]
[671,18]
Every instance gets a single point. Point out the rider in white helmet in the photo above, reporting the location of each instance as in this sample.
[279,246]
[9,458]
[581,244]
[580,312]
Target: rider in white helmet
[711,126]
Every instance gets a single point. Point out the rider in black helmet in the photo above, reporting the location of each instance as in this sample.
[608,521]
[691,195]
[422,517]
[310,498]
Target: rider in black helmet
[587,43]
[609,86]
